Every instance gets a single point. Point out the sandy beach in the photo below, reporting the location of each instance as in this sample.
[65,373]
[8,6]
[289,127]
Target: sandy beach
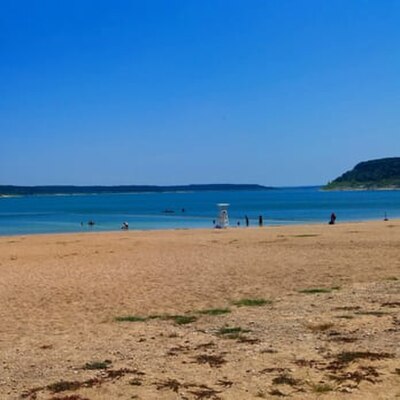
[245,313]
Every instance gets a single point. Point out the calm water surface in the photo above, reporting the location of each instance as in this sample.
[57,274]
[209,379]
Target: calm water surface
[50,214]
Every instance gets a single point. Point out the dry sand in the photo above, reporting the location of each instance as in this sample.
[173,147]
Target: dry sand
[60,296]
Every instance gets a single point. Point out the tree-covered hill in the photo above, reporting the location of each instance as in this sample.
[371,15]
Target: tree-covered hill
[375,174]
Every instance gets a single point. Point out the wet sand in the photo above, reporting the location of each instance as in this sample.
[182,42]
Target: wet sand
[329,326]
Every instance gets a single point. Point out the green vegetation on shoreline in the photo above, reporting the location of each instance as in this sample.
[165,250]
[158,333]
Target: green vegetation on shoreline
[10,190]
[383,174]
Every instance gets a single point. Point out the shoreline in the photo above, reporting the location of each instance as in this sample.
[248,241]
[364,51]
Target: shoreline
[266,226]
[51,190]
[377,189]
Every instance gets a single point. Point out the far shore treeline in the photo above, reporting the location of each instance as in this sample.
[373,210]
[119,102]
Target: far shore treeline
[383,173]
[368,175]
[10,190]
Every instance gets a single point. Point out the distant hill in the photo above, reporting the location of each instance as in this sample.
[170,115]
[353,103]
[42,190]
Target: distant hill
[375,174]
[57,190]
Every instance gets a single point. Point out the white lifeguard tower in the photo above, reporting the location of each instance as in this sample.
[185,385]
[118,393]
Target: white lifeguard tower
[223,219]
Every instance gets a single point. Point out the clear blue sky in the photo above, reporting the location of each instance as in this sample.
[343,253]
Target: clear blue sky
[273,92]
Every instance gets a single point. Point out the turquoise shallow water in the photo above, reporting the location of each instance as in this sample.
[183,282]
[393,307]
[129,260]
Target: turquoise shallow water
[51,214]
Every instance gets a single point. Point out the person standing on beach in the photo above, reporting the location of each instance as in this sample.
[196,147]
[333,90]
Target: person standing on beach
[246,218]
[260,221]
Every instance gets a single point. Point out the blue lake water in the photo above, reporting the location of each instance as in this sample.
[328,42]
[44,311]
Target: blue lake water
[50,214]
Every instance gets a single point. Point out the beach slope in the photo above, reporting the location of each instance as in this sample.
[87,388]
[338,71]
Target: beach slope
[302,311]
